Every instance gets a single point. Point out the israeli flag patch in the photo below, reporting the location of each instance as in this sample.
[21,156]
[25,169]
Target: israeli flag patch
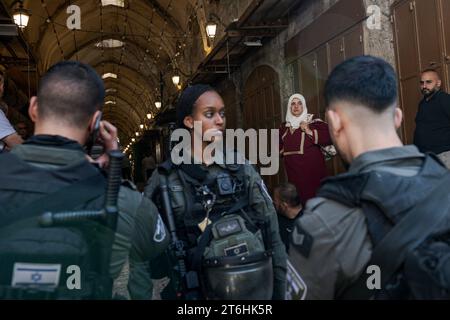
[160,231]
[35,275]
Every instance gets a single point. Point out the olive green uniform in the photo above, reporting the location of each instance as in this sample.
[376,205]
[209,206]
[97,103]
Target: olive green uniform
[259,200]
[140,235]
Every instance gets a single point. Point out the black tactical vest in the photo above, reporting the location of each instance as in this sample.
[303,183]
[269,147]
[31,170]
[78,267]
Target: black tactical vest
[233,236]
[385,198]
[23,240]
[394,195]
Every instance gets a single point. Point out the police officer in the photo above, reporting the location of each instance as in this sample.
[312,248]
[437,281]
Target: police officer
[219,210]
[362,218]
[66,113]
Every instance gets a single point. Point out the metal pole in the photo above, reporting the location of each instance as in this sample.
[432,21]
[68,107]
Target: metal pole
[161,83]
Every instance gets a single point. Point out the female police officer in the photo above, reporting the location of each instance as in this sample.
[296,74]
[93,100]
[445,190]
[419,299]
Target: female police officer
[227,244]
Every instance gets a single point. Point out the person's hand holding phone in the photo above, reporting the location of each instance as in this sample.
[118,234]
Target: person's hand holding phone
[107,136]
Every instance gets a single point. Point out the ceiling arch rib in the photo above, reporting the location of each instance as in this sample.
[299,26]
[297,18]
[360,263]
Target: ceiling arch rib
[156,34]
[126,92]
[124,89]
[95,39]
[125,128]
[141,8]
[118,120]
[136,22]
[127,108]
[129,117]
[126,73]
[123,132]
[55,21]
[156,7]
[83,51]
[89,55]
[120,117]
[126,131]
[117,99]
[141,112]
[138,94]
[137,76]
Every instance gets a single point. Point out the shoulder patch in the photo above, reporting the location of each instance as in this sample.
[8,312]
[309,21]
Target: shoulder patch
[160,231]
[296,288]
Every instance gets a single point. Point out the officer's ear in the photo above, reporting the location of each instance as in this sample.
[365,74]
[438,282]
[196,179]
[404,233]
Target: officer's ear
[188,122]
[33,111]
[92,121]
[334,122]
[284,205]
[398,117]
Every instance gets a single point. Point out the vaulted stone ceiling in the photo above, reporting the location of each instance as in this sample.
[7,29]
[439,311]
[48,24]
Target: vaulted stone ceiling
[154,39]
[140,44]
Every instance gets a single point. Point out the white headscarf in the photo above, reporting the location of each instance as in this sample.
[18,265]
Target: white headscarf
[293,121]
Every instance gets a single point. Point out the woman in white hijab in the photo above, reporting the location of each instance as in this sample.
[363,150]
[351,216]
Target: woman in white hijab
[302,140]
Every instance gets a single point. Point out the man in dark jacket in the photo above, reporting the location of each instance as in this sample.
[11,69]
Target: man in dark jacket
[432,132]
[289,208]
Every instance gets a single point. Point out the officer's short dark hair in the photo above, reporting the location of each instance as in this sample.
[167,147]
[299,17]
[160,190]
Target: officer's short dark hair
[363,80]
[72,91]
[287,192]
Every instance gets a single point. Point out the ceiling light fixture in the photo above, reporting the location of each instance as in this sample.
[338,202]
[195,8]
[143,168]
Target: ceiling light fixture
[109,75]
[176,80]
[255,43]
[21,16]
[117,3]
[110,43]
[211,29]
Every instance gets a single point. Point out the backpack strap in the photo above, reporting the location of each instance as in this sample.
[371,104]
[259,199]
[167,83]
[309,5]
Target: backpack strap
[413,229]
[65,199]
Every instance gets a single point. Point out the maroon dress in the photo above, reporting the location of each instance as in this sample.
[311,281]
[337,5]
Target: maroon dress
[303,159]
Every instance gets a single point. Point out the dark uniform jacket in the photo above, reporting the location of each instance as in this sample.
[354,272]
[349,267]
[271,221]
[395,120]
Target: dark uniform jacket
[140,235]
[341,245]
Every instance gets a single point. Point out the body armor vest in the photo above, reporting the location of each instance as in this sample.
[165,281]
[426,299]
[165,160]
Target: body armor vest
[27,191]
[228,245]
[385,199]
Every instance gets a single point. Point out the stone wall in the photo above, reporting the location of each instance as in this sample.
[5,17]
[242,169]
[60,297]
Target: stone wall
[272,53]
[380,42]
[377,41]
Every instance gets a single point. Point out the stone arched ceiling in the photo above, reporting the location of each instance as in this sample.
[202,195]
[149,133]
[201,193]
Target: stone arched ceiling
[156,34]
